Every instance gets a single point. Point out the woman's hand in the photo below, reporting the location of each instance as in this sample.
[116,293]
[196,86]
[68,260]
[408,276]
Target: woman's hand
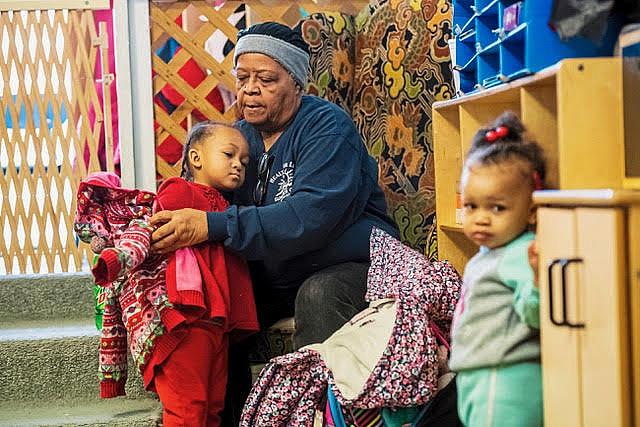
[177,229]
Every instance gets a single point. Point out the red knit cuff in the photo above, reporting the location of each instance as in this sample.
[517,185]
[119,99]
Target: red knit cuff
[111,388]
[194,298]
[107,267]
[171,318]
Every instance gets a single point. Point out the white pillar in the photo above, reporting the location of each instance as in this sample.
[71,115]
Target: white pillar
[135,93]
[123,89]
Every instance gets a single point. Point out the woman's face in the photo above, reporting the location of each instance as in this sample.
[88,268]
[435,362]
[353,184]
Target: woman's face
[267,95]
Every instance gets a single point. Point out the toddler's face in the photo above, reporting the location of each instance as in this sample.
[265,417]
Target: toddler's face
[223,159]
[497,203]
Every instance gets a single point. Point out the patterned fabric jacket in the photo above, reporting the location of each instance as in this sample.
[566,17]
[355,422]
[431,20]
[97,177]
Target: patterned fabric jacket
[291,387]
[143,293]
[115,222]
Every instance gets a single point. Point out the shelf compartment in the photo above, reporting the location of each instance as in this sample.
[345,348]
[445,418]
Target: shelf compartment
[489,66]
[486,26]
[582,139]
[512,54]
[463,16]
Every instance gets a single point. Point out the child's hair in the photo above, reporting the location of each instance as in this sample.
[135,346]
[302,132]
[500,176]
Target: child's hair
[504,140]
[198,133]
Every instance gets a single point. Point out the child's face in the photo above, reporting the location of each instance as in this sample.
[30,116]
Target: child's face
[220,161]
[497,203]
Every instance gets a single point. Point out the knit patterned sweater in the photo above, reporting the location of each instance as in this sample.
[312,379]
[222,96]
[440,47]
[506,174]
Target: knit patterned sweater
[138,308]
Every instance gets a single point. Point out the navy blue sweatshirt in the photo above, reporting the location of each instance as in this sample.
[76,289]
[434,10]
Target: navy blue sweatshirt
[322,198]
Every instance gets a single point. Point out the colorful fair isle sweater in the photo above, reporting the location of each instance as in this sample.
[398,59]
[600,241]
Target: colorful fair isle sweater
[139,308]
[115,222]
[292,387]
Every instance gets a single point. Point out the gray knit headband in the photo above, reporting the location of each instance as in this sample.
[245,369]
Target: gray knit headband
[292,58]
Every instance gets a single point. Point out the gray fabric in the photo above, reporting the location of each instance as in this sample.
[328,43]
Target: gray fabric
[327,300]
[292,58]
[489,332]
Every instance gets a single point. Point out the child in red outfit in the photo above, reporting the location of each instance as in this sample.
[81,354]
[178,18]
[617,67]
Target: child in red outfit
[215,158]
[179,311]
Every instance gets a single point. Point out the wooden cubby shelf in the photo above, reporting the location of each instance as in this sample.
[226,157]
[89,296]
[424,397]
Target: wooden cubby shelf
[573,109]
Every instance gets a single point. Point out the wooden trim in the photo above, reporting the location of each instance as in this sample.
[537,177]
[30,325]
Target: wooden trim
[633,257]
[541,78]
[452,228]
[600,197]
[106,81]
[57,4]
[631,183]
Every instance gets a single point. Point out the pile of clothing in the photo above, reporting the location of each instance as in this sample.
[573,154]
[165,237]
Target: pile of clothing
[390,356]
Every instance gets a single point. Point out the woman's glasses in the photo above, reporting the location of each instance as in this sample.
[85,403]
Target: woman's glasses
[264,166]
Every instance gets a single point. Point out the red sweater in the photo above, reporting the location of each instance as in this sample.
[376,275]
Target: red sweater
[226,283]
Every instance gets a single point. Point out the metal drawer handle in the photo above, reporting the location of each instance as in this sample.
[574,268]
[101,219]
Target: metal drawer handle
[564,263]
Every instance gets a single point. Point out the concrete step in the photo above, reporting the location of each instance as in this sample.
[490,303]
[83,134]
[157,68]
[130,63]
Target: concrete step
[118,412]
[46,296]
[53,360]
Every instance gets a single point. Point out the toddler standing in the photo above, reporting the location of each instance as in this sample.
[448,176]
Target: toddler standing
[495,335]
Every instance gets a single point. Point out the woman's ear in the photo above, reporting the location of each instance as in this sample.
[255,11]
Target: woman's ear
[194,158]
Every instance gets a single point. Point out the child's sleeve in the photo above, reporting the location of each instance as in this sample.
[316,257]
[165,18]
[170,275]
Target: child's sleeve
[527,304]
[129,251]
[517,274]
[132,248]
[112,365]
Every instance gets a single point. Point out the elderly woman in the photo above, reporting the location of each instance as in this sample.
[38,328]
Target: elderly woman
[311,197]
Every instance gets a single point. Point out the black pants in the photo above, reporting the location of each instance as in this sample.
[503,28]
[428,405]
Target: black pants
[442,411]
[321,305]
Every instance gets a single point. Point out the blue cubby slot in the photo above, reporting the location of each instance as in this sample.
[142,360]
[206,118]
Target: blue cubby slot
[506,3]
[465,51]
[489,66]
[486,26]
[467,80]
[544,47]
[462,17]
[512,54]
[483,6]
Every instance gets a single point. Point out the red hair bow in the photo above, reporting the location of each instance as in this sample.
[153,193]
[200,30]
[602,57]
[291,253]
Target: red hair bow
[497,133]
[537,181]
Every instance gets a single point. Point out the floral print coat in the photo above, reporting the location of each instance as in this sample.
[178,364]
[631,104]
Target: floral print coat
[291,387]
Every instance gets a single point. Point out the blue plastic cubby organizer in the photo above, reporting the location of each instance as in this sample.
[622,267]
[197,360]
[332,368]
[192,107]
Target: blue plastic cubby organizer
[487,54]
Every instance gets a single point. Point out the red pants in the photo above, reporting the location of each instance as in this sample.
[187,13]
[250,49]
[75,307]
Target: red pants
[191,382]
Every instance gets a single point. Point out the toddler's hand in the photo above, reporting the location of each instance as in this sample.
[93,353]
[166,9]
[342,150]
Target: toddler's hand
[443,360]
[532,253]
